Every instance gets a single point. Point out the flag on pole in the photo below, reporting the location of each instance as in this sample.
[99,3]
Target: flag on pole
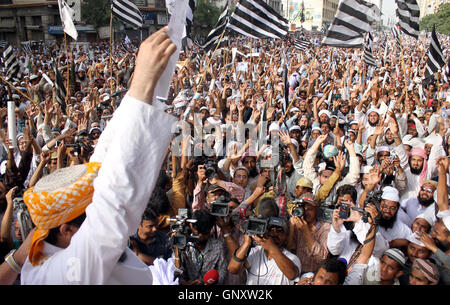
[256,19]
[352,20]
[436,59]
[302,44]
[214,36]
[128,12]
[60,89]
[187,39]
[368,47]
[396,34]
[11,63]
[66,13]
[408,13]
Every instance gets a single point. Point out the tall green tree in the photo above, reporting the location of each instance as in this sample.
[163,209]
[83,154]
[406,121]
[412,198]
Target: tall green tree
[205,17]
[441,18]
[96,12]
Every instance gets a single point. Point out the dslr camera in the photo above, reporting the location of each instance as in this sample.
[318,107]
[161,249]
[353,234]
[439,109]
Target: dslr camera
[211,169]
[183,233]
[299,209]
[373,197]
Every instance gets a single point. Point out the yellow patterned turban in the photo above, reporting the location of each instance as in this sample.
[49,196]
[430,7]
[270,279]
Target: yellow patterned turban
[57,199]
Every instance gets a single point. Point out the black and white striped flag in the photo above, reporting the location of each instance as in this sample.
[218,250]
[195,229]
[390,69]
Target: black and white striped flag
[214,36]
[408,13]
[187,39]
[11,63]
[128,12]
[368,48]
[396,34]
[3,43]
[436,59]
[302,44]
[256,19]
[60,89]
[352,20]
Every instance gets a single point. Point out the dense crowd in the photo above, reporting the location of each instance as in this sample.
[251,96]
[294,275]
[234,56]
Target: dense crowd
[285,167]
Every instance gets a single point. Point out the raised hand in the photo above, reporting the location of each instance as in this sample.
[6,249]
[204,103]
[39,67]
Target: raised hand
[285,137]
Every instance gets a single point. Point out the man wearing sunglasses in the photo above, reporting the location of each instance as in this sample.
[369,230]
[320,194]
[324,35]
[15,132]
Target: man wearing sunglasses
[417,205]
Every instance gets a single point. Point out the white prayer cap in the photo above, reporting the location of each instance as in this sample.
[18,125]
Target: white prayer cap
[390,193]
[294,109]
[204,108]
[446,221]
[16,96]
[316,128]
[324,111]
[415,238]
[383,148]
[354,122]
[396,255]
[426,217]
[295,127]
[373,109]
[33,77]
[366,169]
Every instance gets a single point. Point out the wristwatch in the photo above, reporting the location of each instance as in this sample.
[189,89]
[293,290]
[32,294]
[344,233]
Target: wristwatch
[12,262]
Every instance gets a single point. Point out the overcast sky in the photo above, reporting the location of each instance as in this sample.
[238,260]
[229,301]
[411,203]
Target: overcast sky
[389,7]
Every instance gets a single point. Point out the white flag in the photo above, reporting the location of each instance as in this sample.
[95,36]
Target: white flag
[67,14]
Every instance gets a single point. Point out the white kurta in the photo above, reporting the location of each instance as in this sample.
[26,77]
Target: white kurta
[131,150]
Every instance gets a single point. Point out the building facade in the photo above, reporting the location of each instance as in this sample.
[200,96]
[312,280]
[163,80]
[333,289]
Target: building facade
[428,7]
[36,20]
[318,14]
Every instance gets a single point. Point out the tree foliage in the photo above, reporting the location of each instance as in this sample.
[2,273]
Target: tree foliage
[441,19]
[206,15]
[96,12]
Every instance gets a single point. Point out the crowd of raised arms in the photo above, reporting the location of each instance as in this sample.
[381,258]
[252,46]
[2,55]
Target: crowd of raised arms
[285,167]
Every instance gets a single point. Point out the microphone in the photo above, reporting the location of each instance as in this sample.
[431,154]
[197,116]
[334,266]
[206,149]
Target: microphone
[211,277]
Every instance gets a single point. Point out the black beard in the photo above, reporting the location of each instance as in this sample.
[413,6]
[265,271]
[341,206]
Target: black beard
[389,142]
[82,77]
[388,223]
[416,171]
[349,225]
[253,172]
[425,202]
[374,124]
[289,173]
[443,246]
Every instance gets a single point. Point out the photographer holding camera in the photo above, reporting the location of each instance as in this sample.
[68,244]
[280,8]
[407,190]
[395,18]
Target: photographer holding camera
[203,254]
[307,235]
[269,262]
[348,230]
[217,187]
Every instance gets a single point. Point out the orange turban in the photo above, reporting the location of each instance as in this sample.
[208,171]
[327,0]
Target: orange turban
[57,199]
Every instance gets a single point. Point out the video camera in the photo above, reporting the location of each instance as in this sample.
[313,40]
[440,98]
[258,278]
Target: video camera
[180,225]
[219,207]
[79,143]
[259,226]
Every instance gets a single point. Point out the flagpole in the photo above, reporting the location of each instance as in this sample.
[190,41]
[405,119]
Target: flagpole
[68,66]
[110,53]
[212,55]
[18,91]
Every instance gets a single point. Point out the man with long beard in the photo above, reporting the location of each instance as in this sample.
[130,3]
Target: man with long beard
[393,230]
[413,207]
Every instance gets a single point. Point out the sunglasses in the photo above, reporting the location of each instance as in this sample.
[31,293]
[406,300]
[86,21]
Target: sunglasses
[428,190]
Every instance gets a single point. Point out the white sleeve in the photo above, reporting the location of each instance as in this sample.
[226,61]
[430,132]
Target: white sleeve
[356,275]
[336,241]
[130,167]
